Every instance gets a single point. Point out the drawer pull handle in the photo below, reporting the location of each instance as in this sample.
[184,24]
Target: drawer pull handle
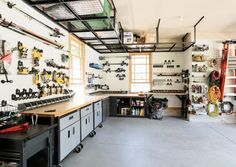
[97,113]
[68,133]
[89,119]
[71,117]
[73,130]
[87,109]
[86,121]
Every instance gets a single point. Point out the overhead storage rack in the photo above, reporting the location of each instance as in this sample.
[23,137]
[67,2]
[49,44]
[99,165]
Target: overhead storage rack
[94,22]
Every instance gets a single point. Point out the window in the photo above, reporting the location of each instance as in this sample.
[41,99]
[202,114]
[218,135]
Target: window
[140,72]
[76,49]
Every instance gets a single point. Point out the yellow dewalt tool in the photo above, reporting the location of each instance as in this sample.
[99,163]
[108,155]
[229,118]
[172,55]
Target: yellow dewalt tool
[37,54]
[22,50]
[46,76]
[36,78]
[21,69]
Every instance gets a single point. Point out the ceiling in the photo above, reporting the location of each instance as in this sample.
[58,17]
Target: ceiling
[178,17]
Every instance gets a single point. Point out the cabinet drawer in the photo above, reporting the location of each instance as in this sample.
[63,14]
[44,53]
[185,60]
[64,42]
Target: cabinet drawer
[85,111]
[98,106]
[69,119]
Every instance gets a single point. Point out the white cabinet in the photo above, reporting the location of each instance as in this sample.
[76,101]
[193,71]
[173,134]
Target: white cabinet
[97,113]
[86,122]
[69,137]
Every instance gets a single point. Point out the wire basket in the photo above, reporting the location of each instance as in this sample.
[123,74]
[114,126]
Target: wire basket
[9,115]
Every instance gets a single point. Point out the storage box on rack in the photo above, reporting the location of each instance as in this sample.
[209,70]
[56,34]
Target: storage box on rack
[128,37]
[150,38]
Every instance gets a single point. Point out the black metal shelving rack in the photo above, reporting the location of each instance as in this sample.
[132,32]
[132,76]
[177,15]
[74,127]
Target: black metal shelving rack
[107,39]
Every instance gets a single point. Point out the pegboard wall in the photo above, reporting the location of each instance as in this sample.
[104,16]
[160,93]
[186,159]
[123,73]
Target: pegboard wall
[12,38]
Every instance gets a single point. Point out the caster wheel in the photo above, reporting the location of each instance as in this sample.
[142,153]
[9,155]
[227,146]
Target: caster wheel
[59,165]
[91,134]
[94,133]
[77,149]
[81,146]
[100,126]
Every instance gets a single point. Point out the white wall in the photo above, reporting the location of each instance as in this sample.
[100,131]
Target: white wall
[180,58]
[91,56]
[110,78]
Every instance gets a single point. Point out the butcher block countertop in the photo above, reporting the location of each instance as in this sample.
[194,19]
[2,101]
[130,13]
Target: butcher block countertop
[64,108]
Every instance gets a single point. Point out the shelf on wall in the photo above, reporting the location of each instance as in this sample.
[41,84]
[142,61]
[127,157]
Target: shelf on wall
[98,27]
[230,94]
[230,86]
[230,77]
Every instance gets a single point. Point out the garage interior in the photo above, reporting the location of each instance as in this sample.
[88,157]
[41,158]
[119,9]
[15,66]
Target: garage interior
[117,83]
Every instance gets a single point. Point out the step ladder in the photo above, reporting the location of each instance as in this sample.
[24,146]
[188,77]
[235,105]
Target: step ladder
[228,71]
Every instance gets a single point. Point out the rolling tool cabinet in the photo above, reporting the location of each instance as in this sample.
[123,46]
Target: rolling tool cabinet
[69,135]
[28,148]
[97,114]
[87,122]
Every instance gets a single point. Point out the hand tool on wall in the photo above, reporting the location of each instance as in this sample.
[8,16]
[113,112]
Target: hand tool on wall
[170,66]
[24,31]
[123,63]
[36,78]
[23,50]
[201,48]
[198,58]
[118,70]
[96,66]
[24,94]
[51,63]
[55,32]
[168,74]
[158,66]
[37,55]
[213,62]
[42,91]
[121,76]
[21,69]
[60,78]
[4,56]
[46,76]
[107,57]
[65,58]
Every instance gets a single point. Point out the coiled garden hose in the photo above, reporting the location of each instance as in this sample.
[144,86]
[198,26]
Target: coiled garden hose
[230,107]
[214,94]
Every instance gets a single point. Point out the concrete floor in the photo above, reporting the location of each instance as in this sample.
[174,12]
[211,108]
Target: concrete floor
[172,142]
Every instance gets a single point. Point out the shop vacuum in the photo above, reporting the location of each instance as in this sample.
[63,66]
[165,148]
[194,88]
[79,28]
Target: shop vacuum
[157,107]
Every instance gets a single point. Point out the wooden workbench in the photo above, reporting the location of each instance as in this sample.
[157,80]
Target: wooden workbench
[74,104]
